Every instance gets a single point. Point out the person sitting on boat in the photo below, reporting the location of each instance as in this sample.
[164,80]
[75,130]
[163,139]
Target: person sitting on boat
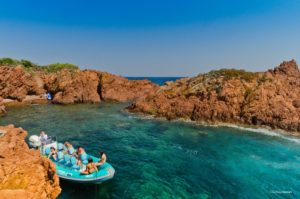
[81,156]
[70,149]
[102,159]
[43,137]
[53,153]
[90,167]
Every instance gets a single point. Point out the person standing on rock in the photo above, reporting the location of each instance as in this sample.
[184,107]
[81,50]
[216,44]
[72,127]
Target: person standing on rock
[48,96]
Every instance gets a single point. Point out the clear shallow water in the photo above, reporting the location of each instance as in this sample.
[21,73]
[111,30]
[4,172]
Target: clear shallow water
[160,159]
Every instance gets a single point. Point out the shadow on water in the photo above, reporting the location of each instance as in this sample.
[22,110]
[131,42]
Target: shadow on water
[86,191]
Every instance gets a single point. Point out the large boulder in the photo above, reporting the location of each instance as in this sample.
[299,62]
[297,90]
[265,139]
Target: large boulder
[23,172]
[68,87]
[275,102]
[120,89]
[16,83]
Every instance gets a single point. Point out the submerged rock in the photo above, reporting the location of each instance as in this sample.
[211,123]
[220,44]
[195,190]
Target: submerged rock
[233,96]
[23,172]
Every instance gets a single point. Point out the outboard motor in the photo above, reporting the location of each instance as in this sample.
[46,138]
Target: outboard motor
[34,141]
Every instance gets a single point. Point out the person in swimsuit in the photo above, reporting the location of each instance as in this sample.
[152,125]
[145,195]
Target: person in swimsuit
[80,154]
[102,159]
[90,167]
[70,149]
[53,153]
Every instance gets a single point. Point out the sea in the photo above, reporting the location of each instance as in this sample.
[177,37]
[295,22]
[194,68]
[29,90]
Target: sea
[155,158]
[156,80]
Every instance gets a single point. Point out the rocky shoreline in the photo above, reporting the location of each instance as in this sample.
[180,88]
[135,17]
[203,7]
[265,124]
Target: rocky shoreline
[248,127]
[18,86]
[231,96]
[23,172]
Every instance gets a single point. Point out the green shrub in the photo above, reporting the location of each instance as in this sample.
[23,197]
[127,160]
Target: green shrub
[29,66]
[232,73]
[9,61]
[263,79]
[60,66]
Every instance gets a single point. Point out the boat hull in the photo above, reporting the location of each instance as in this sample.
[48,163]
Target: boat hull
[105,172]
[65,171]
[94,178]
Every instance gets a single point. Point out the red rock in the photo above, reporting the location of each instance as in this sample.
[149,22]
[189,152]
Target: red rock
[15,83]
[68,87]
[120,89]
[23,172]
[231,96]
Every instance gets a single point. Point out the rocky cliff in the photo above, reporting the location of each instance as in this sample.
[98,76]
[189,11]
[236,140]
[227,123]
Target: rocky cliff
[268,98]
[68,86]
[23,172]
[16,83]
[120,89]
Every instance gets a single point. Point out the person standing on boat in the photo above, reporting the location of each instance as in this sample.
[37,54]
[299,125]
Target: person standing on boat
[102,159]
[43,137]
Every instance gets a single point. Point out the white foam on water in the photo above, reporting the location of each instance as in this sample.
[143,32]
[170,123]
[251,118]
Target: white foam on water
[256,130]
[264,131]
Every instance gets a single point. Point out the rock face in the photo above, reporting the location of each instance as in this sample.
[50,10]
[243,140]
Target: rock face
[16,83]
[23,172]
[120,89]
[73,87]
[68,87]
[231,96]
[2,107]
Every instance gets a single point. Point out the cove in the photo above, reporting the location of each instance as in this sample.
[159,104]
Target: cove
[161,159]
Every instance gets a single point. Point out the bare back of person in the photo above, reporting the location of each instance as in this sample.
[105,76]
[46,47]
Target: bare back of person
[90,167]
[102,159]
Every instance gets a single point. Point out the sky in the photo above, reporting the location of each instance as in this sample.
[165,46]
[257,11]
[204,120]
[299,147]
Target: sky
[152,37]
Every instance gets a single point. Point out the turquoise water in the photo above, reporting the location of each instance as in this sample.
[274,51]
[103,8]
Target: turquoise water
[160,159]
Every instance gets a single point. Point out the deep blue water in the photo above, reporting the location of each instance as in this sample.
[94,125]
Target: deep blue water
[161,159]
[157,80]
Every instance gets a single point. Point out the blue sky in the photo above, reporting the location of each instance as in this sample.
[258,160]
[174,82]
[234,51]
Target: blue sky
[152,38]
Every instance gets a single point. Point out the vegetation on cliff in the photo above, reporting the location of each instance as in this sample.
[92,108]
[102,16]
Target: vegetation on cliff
[232,73]
[29,66]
